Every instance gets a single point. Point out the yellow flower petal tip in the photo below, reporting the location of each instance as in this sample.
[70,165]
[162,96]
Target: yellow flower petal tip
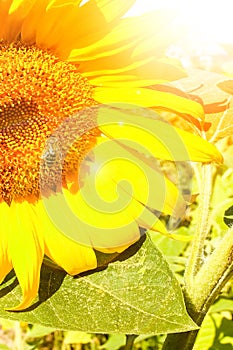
[173,235]
[141,128]
[23,305]
[199,149]
[181,238]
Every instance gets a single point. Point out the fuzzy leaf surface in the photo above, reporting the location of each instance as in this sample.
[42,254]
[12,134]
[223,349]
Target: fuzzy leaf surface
[135,294]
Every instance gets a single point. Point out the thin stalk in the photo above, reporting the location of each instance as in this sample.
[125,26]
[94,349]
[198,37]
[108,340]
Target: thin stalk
[197,249]
[130,341]
[19,337]
[180,341]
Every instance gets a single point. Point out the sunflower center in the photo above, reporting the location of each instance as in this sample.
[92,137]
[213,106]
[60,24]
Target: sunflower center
[37,93]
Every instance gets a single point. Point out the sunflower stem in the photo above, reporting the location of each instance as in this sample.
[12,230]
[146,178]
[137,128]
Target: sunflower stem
[130,341]
[214,273]
[202,228]
[204,281]
[209,281]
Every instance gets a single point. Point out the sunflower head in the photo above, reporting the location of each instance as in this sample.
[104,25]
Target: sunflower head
[38,92]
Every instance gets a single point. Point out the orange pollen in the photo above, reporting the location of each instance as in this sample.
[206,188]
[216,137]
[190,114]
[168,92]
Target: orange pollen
[37,93]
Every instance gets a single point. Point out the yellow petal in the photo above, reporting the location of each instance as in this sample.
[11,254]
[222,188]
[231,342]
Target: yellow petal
[111,65]
[118,173]
[154,137]
[138,73]
[199,150]
[43,25]
[120,38]
[11,25]
[94,20]
[21,6]
[118,51]
[117,80]
[50,27]
[105,229]
[5,231]
[110,231]
[4,8]
[113,9]
[114,198]
[128,33]
[25,250]
[32,22]
[74,256]
[149,98]
[176,236]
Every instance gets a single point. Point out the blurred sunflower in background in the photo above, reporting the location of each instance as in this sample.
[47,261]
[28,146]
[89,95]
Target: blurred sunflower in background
[58,58]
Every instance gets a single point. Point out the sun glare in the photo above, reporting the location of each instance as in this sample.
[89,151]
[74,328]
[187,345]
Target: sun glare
[205,20]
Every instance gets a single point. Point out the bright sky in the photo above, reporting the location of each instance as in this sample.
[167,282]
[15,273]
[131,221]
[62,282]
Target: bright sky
[213,19]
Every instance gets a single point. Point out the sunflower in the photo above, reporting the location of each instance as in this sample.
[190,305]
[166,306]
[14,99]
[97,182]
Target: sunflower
[60,59]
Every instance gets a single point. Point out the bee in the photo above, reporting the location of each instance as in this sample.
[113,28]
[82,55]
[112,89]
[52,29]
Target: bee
[52,154]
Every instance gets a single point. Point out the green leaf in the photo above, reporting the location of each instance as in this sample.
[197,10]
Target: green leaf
[168,246]
[215,333]
[74,337]
[4,347]
[134,295]
[171,249]
[38,331]
[114,342]
[222,304]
